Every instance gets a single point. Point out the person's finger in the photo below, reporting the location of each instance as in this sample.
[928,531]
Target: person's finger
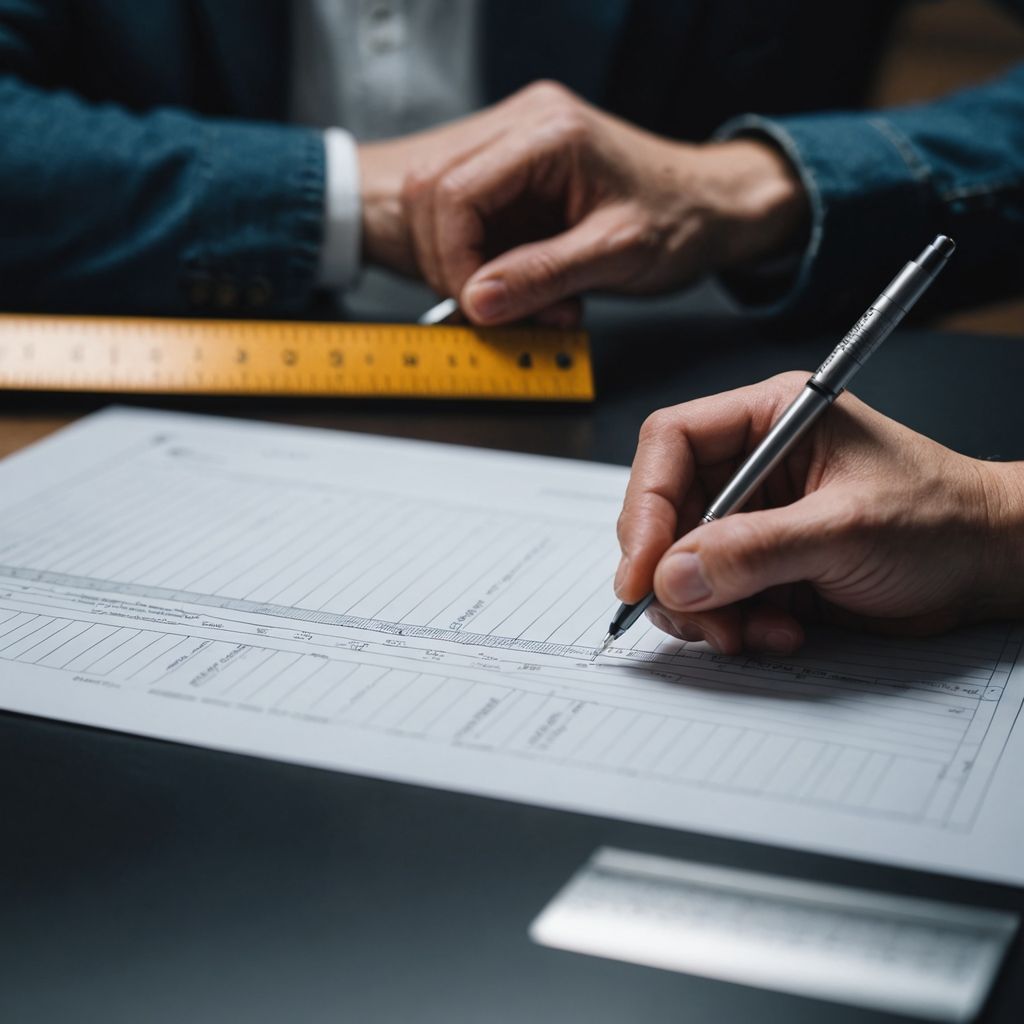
[722,628]
[679,626]
[663,496]
[734,558]
[760,627]
[680,630]
[534,160]
[663,470]
[418,209]
[770,629]
[419,200]
[604,250]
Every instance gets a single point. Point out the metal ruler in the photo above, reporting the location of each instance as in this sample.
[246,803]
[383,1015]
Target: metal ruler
[145,355]
[899,954]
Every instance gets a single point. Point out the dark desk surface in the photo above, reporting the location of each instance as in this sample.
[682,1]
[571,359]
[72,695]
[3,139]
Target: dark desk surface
[148,882]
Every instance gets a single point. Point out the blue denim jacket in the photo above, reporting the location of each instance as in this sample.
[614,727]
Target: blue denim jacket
[144,165]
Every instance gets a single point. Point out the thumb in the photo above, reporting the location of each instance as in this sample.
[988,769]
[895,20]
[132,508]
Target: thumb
[734,558]
[594,253]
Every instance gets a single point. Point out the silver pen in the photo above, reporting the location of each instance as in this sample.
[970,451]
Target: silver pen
[823,388]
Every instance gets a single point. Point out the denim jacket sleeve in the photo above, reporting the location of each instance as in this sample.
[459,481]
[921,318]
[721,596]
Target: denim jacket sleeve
[882,184]
[165,212]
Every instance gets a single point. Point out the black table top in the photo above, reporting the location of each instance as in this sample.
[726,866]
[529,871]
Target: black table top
[150,882]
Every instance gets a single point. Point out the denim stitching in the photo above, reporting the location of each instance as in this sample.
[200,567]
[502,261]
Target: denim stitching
[917,167]
[982,189]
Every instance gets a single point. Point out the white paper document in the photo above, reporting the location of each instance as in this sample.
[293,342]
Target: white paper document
[428,613]
[919,957]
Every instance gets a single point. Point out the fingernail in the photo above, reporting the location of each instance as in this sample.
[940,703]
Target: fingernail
[488,299]
[682,580]
[780,641]
[620,575]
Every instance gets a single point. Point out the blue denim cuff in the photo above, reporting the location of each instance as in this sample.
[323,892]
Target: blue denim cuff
[869,192]
[257,226]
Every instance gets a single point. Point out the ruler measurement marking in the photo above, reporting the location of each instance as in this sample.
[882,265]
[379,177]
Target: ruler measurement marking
[225,357]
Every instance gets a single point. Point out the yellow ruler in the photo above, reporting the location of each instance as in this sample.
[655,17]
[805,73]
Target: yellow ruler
[145,355]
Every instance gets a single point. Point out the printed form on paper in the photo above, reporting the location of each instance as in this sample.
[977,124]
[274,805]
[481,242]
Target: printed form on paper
[428,614]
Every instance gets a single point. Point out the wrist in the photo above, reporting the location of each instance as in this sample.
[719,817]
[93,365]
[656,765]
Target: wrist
[1002,555]
[761,209]
[385,234]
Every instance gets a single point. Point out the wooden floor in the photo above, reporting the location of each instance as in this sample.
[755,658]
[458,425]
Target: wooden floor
[938,47]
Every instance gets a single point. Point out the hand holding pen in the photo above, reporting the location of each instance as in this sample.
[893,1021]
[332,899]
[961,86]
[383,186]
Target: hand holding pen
[866,522]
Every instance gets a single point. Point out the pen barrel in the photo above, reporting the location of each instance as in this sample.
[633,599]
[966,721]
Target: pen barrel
[777,443]
[877,323]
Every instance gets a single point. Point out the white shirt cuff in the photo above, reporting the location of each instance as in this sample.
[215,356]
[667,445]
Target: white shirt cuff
[340,252]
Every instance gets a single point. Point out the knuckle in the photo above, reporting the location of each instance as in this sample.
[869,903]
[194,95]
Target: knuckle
[626,235]
[622,525]
[559,114]
[415,186]
[547,91]
[635,235]
[635,509]
[568,127]
[451,190]
[656,425]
